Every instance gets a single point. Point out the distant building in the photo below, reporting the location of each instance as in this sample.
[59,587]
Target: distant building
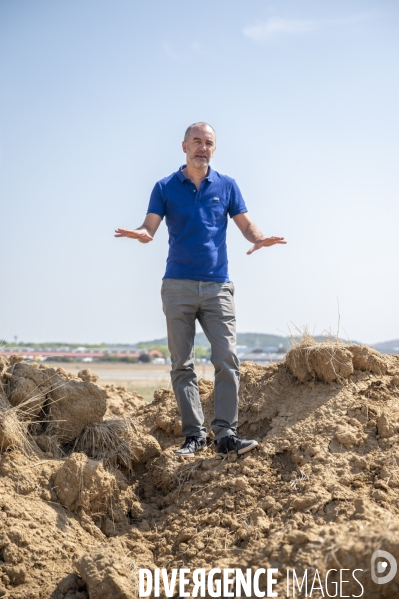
[159,361]
[261,355]
[155,353]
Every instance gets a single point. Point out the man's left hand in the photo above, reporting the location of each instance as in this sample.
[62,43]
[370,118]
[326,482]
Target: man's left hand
[266,242]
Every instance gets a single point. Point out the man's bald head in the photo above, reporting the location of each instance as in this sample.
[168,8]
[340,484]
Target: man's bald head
[200,124]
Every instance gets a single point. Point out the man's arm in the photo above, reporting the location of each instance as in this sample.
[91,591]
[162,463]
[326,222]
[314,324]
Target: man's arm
[146,232]
[253,234]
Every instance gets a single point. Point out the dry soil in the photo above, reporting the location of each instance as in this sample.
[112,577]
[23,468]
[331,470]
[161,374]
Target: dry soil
[92,491]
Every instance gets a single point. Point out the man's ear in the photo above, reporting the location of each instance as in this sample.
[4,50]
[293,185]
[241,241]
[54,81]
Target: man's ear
[184,146]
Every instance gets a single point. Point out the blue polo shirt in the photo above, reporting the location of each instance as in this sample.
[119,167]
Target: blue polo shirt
[197,223]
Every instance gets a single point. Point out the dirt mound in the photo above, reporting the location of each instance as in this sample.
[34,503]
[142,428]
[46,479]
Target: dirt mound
[38,538]
[28,387]
[87,375]
[106,574]
[333,360]
[320,492]
[84,483]
[121,402]
[60,404]
[73,405]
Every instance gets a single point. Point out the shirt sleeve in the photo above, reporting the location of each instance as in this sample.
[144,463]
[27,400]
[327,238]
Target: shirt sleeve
[236,201]
[157,204]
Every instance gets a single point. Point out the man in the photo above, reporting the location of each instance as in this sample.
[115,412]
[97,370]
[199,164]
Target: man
[196,202]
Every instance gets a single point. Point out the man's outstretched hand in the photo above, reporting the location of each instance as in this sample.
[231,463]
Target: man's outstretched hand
[141,235]
[266,242]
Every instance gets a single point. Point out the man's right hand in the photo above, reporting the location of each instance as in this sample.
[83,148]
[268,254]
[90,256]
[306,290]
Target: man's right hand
[141,235]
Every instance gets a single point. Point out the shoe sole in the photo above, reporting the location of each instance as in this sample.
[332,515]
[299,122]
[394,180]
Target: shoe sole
[189,455]
[221,455]
[246,449]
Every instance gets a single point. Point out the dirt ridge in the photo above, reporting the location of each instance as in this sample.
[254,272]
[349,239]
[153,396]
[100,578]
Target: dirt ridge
[84,507]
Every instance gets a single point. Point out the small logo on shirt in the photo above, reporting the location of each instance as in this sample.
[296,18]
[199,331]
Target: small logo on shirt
[216,199]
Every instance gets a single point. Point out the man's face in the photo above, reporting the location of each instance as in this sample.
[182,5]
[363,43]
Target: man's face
[199,147]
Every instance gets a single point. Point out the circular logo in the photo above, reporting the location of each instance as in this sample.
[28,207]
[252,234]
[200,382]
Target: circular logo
[382,567]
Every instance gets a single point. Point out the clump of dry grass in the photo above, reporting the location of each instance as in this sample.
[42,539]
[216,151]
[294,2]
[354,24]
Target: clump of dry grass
[327,360]
[303,338]
[299,478]
[50,443]
[109,441]
[14,429]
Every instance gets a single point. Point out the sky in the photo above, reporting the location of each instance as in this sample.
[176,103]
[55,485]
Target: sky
[95,96]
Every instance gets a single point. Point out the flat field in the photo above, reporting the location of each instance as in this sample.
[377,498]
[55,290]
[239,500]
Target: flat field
[143,378]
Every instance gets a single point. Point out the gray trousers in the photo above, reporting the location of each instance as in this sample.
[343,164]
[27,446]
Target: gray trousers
[184,301]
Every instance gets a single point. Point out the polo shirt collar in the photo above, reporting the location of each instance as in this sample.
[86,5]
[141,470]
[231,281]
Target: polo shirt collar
[182,177]
[211,175]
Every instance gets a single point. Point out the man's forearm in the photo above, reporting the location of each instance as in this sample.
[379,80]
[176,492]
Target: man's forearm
[252,233]
[151,223]
[147,228]
[146,232]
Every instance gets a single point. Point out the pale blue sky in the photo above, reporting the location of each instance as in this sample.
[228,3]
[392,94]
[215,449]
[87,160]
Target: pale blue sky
[94,98]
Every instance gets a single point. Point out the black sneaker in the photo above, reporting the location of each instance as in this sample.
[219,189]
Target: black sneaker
[190,446]
[233,443]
